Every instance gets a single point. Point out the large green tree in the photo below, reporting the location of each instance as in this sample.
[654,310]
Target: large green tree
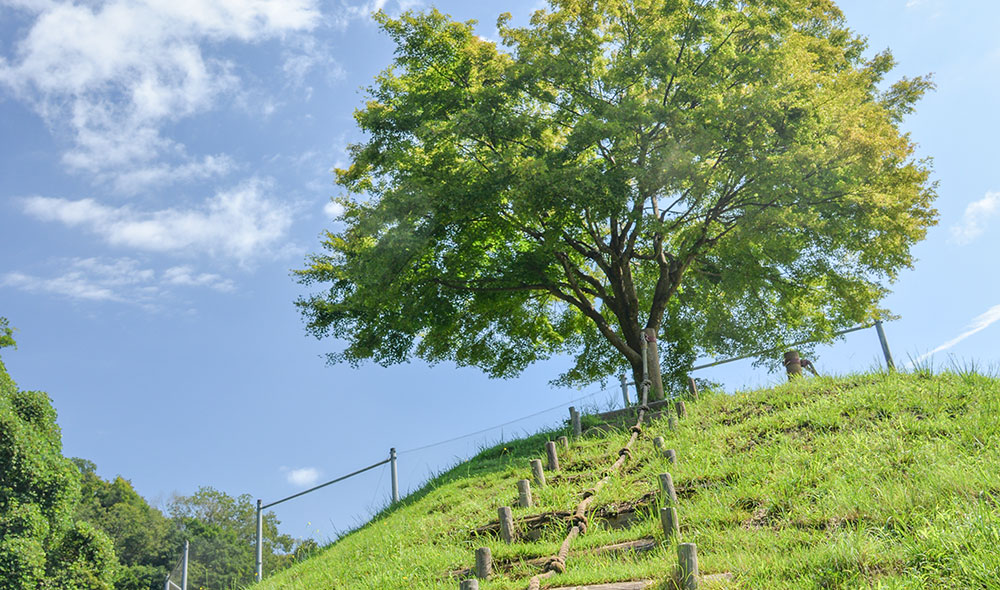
[730,174]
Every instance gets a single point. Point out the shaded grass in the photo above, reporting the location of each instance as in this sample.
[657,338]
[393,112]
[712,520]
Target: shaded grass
[864,481]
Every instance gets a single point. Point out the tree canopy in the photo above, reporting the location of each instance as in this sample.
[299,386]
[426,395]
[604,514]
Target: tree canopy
[725,173]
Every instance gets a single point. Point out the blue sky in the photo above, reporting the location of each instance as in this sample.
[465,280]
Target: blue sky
[165,164]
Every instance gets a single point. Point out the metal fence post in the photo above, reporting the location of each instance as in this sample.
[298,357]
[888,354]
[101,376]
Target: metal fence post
[624,389]
[885,345]
[184,570]
[395,475]
[260,540]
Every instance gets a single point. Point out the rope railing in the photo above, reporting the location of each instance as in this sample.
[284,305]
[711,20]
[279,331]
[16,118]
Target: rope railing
[578,522]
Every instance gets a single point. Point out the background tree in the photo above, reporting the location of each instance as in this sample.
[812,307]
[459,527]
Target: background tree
[222,531]
[146,542]
[729,174]
[41,544]
[219,527]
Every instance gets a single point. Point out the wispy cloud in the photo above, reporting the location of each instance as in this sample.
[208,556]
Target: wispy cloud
[303,477]
[978,324]
[977,216]
[185,276]
[241,223]
[114,74]
[121,280]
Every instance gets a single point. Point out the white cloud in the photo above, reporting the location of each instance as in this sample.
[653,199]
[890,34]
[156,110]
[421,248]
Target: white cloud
[978,324]
[333,209]
[115,73]
[977,215]
[303,477]
[122,280]
[241,223]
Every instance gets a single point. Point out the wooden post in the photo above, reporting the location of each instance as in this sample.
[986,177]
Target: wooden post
[653,360]
[671,455]
[550,450]
[537,472]
[671,421]
[668,520]
[624,382]
[792,365]
[574,419]
[469,585]
[506,524]
[682,410]
[669,493]
[687,562]
[693,389]
[523,493]
[563,442]
[484,563]
[658,443]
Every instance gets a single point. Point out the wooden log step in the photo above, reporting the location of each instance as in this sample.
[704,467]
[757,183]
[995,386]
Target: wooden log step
[638,546]
[624,424]
[616,515]
[640,585]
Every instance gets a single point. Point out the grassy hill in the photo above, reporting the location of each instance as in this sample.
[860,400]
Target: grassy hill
[866,481]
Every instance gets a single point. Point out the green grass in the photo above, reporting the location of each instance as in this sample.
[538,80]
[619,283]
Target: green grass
[866,481]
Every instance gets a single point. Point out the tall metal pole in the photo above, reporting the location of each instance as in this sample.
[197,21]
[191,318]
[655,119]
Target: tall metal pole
[184,570]
[260,540]
[166,583]
[885,345]
[395,475]
[624,388]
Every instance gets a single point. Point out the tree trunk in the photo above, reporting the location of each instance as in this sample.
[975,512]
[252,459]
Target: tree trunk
[652,353]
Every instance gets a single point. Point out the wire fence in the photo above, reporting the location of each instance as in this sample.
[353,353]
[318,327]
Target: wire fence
[392,459]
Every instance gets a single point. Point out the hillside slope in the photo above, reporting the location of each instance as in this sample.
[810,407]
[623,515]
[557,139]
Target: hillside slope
[867,481]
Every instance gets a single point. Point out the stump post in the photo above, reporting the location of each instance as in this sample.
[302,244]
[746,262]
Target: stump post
[671,455]
[469,585]
[506,524]
[624,381]
[523,493]
[671,421]
[693,389]
[687,563]
[484,563]
[574,419]
[668,520]
[792,364]
[653,364]
[658,443]
[682,410]
[550,451]
[537,472]
[563,442]
[669,493]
